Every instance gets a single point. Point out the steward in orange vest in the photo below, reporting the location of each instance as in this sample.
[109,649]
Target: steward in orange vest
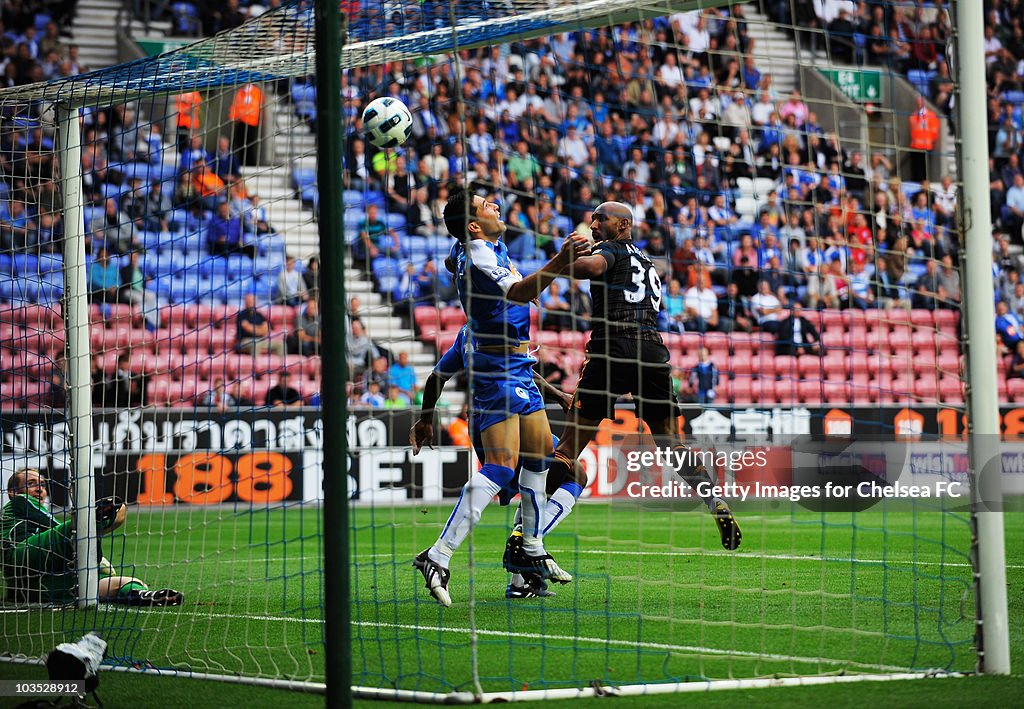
[186,107]
[245,112]
[924,132]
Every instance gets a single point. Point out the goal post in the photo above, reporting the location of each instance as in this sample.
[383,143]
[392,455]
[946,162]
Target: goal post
[983,395]
[331,30]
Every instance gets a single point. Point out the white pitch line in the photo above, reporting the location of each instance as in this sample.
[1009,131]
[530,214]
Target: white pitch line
[623,552]
[692,649]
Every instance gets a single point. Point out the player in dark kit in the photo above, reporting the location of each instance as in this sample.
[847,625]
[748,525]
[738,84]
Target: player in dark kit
[626,354]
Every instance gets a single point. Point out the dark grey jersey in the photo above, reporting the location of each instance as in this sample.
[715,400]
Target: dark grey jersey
[628,297]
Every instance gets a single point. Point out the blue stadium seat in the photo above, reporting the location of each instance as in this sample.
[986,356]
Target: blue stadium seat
[113,191]
[92,214]
[190,241]
[304,100]
[395,221]
[50,265]
[375,197]
[188,289]
[26,265]
[232,292]
[239,267]
[1014,97]
[6,264]
[152,241]
[440,246]
[352,198]
[921,80]
[214,268]
[270,264]
[262,289]
[161,285]
[50,291]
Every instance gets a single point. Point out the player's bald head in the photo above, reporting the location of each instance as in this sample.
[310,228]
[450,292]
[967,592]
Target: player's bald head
[612,220]
[615,210]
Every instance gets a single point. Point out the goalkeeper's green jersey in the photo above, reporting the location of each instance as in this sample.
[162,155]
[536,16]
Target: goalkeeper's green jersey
[22,517]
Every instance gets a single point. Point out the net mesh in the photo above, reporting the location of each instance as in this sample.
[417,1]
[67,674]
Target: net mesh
[749,148]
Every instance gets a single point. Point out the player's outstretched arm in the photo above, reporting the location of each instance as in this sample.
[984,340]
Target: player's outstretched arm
[423,430]
[552,393]
[533,285]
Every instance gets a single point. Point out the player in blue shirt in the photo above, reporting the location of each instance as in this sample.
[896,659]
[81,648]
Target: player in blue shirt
[505,399]
[562,493]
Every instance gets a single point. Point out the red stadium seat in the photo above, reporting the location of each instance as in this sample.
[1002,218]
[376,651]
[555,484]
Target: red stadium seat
[922,318]
[949,363]
[1015,390]
[744,342]
[673,341]
[785,366]
[927,389]
[179,314]
[691,342]
[809,392]
[313,367]
[445,340]
[833,320]
[222,340]
[41,317]
[951,390]
[897,317]
[281,317]
[876,320]
[857,362]
[902,364]
[861,388]
[925,363]
[224,366]
[740,390]
[453,317]
[741,364]
[572,340]
[923,340]
[763,391]
[165,363]
[428,322]
[716,342]
[837,392]
[547,339]
[812,367]
[902,386]
[878,341]
[947,320]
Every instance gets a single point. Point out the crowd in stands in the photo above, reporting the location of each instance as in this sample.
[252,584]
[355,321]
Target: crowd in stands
[748,205]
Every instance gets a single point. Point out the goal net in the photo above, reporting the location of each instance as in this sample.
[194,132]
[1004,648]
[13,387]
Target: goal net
[789,173]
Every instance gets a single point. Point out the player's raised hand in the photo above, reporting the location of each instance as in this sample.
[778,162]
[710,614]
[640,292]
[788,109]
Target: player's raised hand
[565,401]
[574,246]
[421,432]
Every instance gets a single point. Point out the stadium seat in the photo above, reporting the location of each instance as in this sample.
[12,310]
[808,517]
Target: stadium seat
[741,364]
[837,392]
[785,366]
[763,391]
[925,362]
[740,390]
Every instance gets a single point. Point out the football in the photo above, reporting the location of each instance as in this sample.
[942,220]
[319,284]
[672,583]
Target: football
[387,122]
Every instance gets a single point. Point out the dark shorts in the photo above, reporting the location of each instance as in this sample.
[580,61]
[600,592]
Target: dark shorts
[616,367]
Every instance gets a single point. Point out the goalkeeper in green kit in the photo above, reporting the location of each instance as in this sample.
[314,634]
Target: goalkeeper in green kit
[38,551]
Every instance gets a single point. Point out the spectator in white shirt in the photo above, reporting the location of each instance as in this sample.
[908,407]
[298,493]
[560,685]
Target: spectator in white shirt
[572,148]
[766,307]
[291,289]
[701,309]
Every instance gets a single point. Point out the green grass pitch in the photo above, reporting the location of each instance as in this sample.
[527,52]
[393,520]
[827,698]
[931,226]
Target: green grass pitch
[655,599]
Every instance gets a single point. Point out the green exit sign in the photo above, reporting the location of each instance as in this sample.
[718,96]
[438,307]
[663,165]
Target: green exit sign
[155,46]
[860,85]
